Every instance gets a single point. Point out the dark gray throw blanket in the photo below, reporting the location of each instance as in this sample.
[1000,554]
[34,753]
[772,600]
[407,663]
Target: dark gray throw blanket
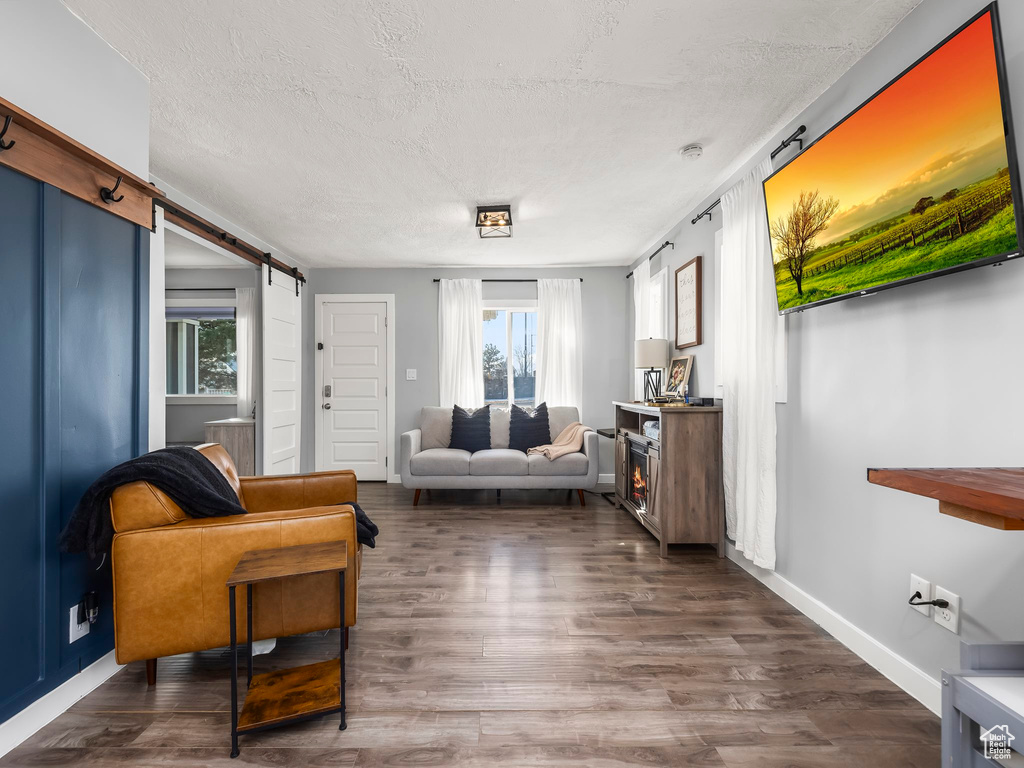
[365,529]
[184,474]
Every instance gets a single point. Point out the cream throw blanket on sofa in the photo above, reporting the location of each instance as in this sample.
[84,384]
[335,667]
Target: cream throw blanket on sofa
[569,441]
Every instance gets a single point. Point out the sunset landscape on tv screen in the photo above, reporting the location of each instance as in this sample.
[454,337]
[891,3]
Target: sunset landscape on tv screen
[914,182]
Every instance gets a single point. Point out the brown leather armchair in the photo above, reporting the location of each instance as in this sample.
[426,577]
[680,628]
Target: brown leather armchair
[169,569]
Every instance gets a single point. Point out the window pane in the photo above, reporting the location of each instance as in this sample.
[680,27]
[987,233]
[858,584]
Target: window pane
[495,357]
[201,355]
[190,359]
[173,329]
[524,351]
[217,363]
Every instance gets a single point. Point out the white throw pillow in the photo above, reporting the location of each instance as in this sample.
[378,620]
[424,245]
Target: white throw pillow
[435,427]
[500,423]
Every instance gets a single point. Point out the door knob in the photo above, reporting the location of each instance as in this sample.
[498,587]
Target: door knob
[327,406]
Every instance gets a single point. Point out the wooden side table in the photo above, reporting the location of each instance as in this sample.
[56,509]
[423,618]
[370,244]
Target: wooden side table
[300,693]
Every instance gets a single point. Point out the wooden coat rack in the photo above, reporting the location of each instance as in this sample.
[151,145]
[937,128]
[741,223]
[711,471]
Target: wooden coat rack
[41,152]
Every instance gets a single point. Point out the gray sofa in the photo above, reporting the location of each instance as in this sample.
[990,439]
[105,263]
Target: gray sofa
[428,462]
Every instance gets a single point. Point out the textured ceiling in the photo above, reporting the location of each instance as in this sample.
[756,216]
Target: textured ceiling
[365,133]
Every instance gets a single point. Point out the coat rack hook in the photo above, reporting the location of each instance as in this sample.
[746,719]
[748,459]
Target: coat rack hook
[9,144]
[107,194]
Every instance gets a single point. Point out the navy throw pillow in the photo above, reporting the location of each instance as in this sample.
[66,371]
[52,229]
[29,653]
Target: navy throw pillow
[471,430]
[527,430]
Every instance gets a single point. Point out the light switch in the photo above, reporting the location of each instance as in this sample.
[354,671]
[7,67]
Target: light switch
[410,374]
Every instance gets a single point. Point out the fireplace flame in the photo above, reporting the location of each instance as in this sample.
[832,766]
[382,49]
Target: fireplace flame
[639,489]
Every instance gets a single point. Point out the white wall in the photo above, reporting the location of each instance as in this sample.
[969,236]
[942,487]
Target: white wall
[157,335]
[605,373]
[61,72]
[925,375]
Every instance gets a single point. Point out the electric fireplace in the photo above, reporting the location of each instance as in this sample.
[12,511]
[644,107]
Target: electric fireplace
[636,477]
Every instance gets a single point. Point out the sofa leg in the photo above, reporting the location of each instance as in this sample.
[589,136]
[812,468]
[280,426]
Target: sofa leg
[583,499]
[499,495]
[416,497]
[151,671]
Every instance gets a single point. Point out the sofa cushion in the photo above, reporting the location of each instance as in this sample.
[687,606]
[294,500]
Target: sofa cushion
[560,417]
[529,429]
[471,430]
[499,461]
[570,464]
[435,427]
[500,419]
[440,461]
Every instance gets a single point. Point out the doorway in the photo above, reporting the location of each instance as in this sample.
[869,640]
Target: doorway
[354,377]
[208,346]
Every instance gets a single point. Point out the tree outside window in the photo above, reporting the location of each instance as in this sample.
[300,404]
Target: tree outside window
[201,351]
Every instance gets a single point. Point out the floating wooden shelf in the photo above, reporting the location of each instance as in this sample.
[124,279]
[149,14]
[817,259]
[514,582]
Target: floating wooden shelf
[288,694]
[43,153]
[993,497]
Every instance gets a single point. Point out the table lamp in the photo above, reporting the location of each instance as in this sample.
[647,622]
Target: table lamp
[651,354]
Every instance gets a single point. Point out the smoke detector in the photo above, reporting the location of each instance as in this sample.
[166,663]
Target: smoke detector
[692,151]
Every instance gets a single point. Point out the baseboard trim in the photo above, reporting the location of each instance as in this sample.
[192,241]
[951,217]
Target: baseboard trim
[914,681]
[606,479]
[395,479]
[44,710]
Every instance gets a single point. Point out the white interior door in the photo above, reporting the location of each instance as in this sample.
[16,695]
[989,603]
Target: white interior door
[353,388]
[282,373]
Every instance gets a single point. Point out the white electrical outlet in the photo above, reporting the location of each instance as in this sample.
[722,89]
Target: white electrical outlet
[917,584]
[410,374]
[948,617]
[78,631]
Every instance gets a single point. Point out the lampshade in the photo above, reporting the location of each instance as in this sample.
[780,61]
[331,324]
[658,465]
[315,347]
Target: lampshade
[650,353]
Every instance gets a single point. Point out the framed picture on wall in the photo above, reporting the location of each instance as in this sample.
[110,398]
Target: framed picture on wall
[678,375]
[688,304]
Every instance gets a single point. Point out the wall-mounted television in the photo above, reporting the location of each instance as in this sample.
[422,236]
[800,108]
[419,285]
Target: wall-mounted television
[919,181]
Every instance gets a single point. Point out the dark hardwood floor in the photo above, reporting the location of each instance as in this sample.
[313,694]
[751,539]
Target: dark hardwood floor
[532,632]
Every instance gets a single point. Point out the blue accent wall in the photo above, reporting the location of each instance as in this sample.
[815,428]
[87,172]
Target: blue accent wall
[73,306]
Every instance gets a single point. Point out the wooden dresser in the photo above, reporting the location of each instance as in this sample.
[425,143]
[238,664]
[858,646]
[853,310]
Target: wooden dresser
[671,480]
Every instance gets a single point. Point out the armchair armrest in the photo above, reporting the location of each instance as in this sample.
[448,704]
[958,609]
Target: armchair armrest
[319,489]
[411,445]
[591,449]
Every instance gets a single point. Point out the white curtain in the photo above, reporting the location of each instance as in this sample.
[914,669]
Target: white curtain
[749,322]
[460,324]
[560,343]
[641,315]
[650,311]
[245,345]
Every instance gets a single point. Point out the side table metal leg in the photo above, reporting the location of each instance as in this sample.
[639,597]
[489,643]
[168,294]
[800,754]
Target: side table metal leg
[341,650]
[234,674]
[248,634]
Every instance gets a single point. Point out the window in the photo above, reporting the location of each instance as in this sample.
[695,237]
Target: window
[201,351]
[510,353]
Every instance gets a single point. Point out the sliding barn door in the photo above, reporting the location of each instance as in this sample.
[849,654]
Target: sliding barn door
[282,374]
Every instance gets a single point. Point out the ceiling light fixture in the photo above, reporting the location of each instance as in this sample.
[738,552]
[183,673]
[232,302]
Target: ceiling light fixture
[692,151]
[494,220]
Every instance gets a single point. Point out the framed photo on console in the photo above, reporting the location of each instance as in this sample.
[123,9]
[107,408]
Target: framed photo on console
[688,304]
[678,375]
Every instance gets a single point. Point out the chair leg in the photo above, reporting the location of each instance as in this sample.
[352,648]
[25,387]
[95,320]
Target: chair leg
[151,671]
[583,500]
[416,497]
[346,638]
